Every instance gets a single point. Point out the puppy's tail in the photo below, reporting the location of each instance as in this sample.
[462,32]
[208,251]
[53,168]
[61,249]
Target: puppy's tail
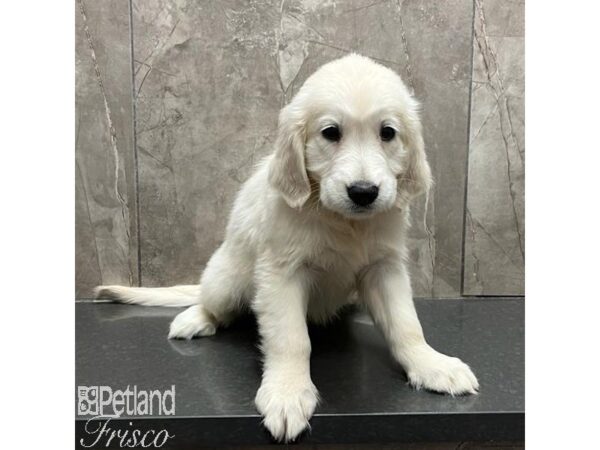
[174,296]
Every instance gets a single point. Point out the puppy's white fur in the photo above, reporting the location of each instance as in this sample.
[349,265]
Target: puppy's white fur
[297,247]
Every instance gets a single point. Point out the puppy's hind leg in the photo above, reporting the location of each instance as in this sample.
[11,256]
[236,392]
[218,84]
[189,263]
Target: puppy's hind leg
[194,321]
[223,285]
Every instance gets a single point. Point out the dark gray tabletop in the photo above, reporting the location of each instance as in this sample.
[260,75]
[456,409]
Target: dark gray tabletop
[365,397]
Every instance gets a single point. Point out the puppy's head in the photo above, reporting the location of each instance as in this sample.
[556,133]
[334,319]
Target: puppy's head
[353,133]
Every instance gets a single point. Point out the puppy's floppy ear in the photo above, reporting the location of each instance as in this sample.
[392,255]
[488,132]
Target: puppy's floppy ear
[287,171]
[416,177]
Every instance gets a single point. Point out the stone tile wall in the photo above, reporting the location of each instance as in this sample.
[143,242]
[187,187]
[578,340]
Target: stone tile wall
[176,101]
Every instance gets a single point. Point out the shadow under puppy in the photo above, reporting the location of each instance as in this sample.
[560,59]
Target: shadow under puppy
[322,220]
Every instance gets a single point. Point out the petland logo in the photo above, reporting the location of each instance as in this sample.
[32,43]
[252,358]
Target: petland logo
[103,401]
[102,404]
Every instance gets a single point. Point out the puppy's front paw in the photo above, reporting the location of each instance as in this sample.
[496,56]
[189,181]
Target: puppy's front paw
[437,372]
[286,406]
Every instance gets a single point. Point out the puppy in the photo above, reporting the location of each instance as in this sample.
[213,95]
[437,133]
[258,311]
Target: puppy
[323,220]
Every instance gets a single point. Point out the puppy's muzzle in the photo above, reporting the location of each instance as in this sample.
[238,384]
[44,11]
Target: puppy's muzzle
[362,193]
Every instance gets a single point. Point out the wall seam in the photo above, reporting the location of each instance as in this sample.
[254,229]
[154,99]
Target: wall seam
[466,189]
[135,148]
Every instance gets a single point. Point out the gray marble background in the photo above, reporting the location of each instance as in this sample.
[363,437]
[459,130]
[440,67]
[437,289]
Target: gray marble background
[177,99]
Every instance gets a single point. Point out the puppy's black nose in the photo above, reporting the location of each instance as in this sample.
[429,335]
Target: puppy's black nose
[362,193]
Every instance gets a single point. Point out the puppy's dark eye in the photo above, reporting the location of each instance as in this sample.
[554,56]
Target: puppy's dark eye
[387,133]
[332,133]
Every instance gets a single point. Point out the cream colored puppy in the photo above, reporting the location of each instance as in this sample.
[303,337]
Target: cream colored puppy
[322,220]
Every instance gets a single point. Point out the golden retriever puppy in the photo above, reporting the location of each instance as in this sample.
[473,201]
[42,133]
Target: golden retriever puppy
[322,220]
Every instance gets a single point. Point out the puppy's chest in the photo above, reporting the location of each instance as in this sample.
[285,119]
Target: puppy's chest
[345,256]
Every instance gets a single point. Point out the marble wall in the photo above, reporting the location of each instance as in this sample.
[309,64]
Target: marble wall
[495,217]
[205,81]
[105,204]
